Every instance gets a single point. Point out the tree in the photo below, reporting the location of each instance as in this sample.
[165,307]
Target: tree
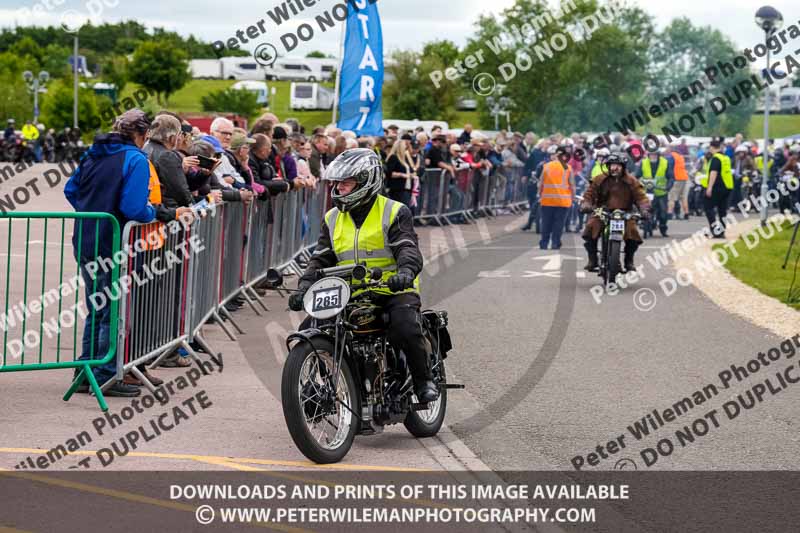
[412,93]
[115,70]
[57,107]
[56,60]
[161,68]
[584,86]
[678,57]
[316,54]
[239,101]
[27,47]
[15,101]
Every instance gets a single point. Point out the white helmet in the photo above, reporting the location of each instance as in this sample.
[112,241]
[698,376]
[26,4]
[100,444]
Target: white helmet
[365,167]
[602,152]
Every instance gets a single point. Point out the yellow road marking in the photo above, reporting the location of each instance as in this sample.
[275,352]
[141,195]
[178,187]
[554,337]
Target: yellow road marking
[226,460]
[11,530]
[128,496]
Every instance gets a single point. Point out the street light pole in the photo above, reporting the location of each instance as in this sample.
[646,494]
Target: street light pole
[34,84]
[75,81]
[770,20]
[765,156]
[36,100]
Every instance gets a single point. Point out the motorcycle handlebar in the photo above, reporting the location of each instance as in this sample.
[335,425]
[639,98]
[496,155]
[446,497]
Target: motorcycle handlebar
[605,213]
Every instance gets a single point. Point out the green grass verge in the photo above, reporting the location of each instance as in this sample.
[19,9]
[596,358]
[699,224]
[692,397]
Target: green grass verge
[779,126]
[187,100]
[760,267]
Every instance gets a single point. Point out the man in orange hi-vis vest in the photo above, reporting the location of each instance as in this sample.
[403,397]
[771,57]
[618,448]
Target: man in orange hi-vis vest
[680,190]
[556,194]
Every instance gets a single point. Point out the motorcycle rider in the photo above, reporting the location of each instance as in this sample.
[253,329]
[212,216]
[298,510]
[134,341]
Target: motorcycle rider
[10,130]
[790,192]
[655,166]
[600,156]
[614,189]
[374,230]
[742,164]
[29,132]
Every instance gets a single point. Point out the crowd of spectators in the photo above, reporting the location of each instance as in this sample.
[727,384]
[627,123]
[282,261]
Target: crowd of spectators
[163,168]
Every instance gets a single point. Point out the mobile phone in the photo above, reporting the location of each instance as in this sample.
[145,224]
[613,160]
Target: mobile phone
[201,205]
[206,162]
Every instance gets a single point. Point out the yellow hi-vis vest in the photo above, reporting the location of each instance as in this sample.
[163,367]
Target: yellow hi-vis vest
[760,164]
[726,174]
[596,169]
[30,132]
[369,244]
[661,174]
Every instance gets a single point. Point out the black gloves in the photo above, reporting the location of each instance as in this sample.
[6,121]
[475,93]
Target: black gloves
[401,281]
[296,299]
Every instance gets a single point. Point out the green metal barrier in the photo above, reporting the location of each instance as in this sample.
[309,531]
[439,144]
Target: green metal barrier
[10,312]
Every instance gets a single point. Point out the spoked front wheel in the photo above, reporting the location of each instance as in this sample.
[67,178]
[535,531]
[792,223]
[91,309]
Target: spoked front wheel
[613,266]
[322,421]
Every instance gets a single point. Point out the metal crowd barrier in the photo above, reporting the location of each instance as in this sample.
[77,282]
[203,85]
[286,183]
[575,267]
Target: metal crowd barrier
[44,310]
[234,247]
[154,308]
[170,280]
[469,194]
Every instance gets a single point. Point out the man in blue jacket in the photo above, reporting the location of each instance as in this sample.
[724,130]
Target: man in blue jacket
[113,177]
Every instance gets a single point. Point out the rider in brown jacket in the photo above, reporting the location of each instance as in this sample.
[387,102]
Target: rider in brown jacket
[614,189]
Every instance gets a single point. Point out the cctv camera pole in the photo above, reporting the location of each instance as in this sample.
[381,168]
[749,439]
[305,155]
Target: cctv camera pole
[765,155]
[75,82]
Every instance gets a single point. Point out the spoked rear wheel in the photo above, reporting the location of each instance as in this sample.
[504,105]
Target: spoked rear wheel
[427,423]
[322,421]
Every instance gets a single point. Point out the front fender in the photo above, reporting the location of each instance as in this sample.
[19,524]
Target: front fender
[307,335]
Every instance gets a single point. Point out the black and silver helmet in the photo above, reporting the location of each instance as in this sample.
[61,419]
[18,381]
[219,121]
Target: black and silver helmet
[365,167]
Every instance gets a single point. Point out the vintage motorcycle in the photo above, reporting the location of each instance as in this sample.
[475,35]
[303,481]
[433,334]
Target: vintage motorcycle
[647,224]
[343,378]
[696,195]
[612,238]
[787,184]
[751,186]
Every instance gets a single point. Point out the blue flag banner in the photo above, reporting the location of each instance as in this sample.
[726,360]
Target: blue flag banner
[361,82]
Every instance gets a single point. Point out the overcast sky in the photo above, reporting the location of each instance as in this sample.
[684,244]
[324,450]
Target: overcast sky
[406,23]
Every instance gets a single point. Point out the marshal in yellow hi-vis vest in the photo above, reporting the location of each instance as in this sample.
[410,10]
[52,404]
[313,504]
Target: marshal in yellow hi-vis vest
[369,244]
[661,174]
[726,174]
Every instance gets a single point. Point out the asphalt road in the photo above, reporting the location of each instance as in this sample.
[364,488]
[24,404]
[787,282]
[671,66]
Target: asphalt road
[550,374]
